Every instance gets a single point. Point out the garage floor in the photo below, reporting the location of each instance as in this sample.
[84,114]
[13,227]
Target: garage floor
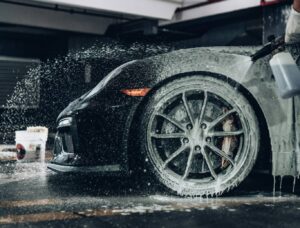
[33,196]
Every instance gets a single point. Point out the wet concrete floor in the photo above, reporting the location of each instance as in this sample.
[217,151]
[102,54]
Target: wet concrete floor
[33,196]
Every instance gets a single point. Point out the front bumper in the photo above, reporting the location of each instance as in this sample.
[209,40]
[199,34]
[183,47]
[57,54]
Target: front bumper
[92,141]
[68,156]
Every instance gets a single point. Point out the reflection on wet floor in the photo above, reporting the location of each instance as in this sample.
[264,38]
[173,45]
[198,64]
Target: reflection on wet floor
[92,207]
[14,172]
[33,195]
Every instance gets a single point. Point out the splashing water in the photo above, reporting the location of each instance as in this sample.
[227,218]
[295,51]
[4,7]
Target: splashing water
[242,66]
[47,89]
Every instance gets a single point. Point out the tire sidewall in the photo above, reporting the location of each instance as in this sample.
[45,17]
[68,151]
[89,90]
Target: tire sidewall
[237,100]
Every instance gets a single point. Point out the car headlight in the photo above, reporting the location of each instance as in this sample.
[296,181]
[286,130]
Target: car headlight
[65,122]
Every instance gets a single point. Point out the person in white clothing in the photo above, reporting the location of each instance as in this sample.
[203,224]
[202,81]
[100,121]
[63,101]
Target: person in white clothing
[292,33]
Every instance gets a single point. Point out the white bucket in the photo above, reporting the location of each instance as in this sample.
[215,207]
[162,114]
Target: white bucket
[33,140]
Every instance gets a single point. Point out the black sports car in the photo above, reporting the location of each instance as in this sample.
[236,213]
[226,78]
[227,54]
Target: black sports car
[198,118]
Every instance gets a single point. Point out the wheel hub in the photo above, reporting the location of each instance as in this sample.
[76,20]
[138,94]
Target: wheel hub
[196,137]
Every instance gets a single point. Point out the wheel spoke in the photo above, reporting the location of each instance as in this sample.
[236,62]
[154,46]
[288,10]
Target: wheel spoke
[210,166]
[203,107]
[226,133]
[175,122]
[221,153]
[187,108]
[174,155]
[220,118]
[189,164]
[168,136]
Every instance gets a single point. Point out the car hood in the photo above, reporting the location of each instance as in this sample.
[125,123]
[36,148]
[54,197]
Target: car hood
[83,101]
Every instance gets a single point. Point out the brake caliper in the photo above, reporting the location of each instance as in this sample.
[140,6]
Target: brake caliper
[229,142]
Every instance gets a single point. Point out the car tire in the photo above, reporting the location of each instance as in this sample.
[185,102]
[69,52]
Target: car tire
[199,136]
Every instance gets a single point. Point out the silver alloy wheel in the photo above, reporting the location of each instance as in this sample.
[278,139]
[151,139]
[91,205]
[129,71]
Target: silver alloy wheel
[185,134]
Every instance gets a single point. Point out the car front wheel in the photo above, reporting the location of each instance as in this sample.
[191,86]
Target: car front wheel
[200,136]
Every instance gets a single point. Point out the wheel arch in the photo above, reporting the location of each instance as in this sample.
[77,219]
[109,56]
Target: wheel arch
[262,159]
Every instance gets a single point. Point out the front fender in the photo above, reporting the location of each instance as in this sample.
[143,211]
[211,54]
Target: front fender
[233,63]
